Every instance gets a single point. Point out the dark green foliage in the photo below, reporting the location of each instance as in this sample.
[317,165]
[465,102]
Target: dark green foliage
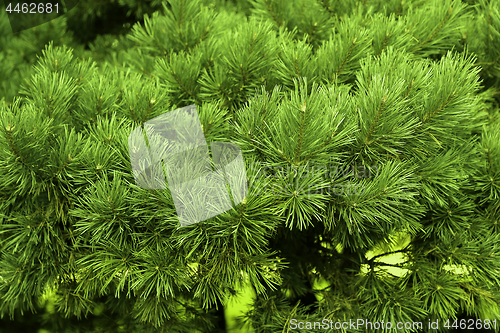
[393,102]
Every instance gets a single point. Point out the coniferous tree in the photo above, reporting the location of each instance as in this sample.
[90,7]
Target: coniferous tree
[369,130]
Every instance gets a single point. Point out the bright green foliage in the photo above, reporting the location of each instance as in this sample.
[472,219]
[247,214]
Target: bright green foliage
[392,102]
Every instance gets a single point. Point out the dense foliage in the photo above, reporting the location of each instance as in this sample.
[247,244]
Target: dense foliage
[369,129]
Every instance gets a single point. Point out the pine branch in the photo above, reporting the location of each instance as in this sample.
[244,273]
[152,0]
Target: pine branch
[301,132]
[344,60]
[428,116]
[404,250]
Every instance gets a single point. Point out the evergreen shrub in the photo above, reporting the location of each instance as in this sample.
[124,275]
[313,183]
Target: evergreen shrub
[370,133]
